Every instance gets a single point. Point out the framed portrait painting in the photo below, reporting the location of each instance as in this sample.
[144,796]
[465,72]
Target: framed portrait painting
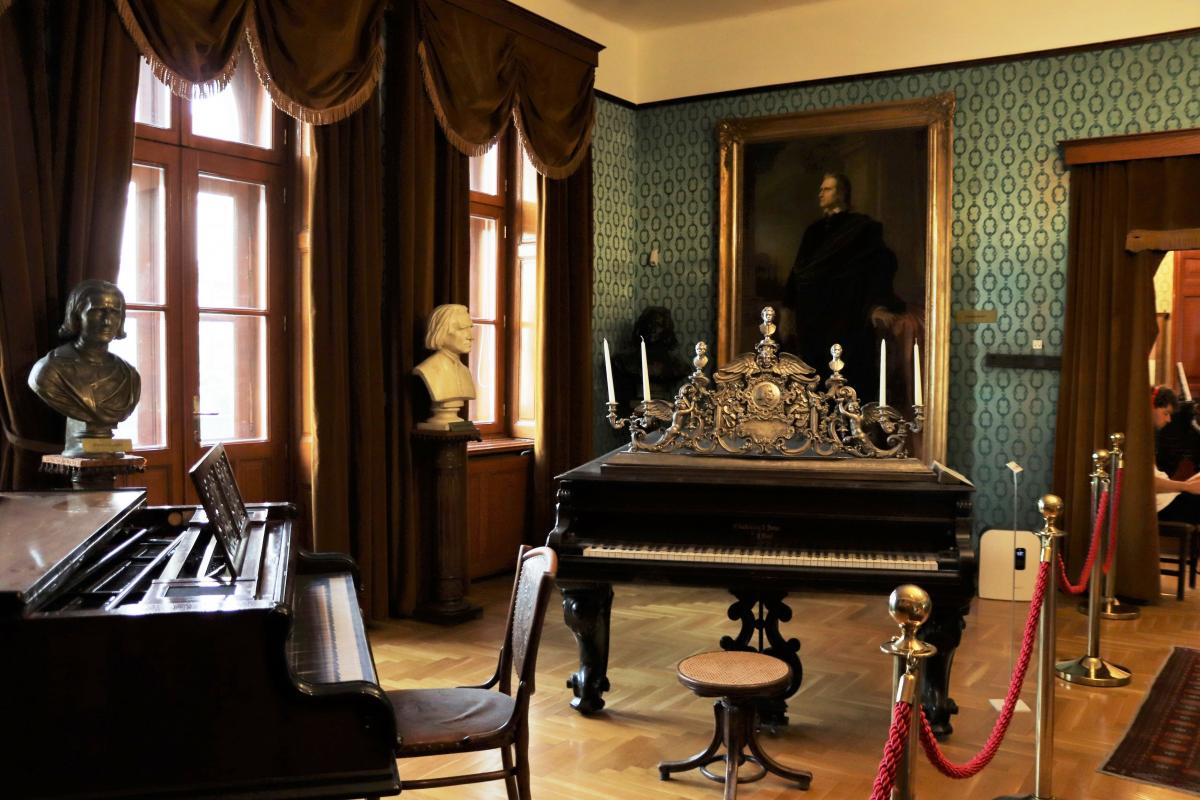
[839,220]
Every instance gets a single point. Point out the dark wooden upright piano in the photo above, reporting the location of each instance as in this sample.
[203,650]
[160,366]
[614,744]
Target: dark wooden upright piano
[136,664]
[763,529]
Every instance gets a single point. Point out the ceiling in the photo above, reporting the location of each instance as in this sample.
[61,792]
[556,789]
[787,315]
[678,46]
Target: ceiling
[647,15]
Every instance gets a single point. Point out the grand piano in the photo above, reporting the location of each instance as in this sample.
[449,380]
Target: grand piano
[762,528]
[137,664]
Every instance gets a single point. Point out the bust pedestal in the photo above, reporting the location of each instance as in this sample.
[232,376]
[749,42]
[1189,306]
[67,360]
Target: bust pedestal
[441,462]
[93,472]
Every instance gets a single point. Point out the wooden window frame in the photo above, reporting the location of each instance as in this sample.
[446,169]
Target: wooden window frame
[184,156]
[504,208]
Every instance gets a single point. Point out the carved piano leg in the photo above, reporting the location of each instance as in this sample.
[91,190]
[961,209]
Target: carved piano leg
[764,620]
[586,609]
[943,631]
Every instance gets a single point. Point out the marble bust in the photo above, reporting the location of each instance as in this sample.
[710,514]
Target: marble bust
[450,333]
[94,389]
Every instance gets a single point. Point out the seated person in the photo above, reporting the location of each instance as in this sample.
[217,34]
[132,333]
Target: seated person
[1175,500]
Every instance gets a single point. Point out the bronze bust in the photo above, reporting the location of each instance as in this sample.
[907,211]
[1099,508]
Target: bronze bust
[93,388]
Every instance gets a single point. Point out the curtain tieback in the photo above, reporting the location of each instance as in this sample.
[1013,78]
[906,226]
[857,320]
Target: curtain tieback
[32,445]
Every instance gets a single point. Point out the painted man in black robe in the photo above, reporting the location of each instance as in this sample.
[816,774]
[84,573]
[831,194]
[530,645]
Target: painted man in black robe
[840,289]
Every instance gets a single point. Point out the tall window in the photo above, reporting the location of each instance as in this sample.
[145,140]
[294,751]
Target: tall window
[200,269]
[504,280]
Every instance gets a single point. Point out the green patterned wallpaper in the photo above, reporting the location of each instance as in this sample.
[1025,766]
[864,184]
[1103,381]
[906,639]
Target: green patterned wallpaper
[656,170]
[614,174]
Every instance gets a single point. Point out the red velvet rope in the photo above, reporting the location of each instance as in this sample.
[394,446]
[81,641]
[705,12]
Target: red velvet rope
[885,778]
[1093,547]
[1112,520]
[984,757]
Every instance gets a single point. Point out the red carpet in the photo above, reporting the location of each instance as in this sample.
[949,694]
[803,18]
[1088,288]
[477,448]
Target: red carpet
[1162,746]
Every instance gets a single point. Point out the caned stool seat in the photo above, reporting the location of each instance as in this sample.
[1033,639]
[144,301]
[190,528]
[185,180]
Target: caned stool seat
[738,679]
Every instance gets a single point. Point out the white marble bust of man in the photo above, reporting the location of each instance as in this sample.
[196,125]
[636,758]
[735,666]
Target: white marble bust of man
[450,333]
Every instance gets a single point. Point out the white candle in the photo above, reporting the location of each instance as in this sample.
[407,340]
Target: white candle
[612,396]
[882,372]
[1183,381]
[645,375]
[916,374]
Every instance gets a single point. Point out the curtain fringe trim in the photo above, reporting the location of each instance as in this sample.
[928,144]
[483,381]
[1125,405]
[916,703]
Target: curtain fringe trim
[564,171]
[179,85]
[297,110]
[473,150]
[467,148]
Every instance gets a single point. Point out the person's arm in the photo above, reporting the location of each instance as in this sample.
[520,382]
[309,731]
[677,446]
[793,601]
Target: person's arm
[1163,485]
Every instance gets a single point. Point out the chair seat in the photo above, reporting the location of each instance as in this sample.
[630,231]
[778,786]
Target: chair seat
[732,673]
[432,721]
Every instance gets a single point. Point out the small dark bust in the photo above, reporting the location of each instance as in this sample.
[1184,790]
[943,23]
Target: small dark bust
[93,388]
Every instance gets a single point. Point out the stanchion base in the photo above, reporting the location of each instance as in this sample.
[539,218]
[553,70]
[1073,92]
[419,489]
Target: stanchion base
[1090,671]
[1026,797]
[1112,609]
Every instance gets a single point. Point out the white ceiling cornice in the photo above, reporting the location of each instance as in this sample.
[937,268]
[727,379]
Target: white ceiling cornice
[725,45]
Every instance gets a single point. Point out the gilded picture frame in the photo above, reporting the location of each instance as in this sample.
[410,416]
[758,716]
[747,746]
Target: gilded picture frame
[896,157]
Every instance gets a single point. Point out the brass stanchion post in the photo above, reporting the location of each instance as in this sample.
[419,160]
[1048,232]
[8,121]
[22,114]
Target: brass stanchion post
[1090,669]
[1051,507]
[910,606]
[1110,606]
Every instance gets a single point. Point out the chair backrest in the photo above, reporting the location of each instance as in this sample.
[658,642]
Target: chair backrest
[526,612]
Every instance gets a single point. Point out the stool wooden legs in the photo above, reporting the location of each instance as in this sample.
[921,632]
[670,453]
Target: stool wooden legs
[733,726]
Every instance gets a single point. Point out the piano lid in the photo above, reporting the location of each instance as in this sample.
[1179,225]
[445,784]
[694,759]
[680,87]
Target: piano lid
[44,534]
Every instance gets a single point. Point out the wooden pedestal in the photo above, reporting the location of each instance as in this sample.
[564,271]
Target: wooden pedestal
[93,472]
[441,461]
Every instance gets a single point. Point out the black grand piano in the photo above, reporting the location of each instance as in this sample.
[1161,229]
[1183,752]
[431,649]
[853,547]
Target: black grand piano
[136,664]
[762,529]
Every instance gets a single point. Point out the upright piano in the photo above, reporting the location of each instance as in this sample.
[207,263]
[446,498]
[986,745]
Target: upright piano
[763,528]
[135,663]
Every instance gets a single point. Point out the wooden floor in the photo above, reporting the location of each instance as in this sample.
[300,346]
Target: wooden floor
[839,718]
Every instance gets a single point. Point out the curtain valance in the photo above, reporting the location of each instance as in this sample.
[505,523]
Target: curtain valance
[481,71]
[320,60]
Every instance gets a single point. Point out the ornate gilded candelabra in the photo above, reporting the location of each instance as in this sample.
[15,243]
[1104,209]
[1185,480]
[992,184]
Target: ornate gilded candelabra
[768,403]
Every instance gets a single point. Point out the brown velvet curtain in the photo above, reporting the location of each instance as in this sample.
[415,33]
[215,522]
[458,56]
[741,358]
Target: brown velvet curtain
[390,242]
[68,80]
[320,60]
[564,381]
[349,497]
[427,264]
[480,74]
[1110,328]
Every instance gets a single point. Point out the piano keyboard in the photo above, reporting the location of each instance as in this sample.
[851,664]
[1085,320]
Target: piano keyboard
[827,559]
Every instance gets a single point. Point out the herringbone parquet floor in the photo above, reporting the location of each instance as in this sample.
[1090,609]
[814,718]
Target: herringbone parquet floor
[839,718]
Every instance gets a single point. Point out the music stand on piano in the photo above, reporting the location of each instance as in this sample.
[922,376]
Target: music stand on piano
[213,478]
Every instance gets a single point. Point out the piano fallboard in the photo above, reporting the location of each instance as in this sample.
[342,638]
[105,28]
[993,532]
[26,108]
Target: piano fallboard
[147,668]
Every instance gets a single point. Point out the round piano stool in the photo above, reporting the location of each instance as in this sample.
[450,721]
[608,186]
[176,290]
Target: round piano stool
[739,679]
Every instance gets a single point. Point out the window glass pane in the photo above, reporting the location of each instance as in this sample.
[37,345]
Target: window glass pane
[153,106]
[143,242]
[526,322]
[144,347]
[241,112]
[525,368]
[485,172]
[485,250]
[233,373]
[231,243]
[527,181]
[527,287]
[483,369]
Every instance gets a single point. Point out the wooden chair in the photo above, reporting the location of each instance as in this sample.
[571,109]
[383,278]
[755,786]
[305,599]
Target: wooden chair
[466,719]
[1186,553]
